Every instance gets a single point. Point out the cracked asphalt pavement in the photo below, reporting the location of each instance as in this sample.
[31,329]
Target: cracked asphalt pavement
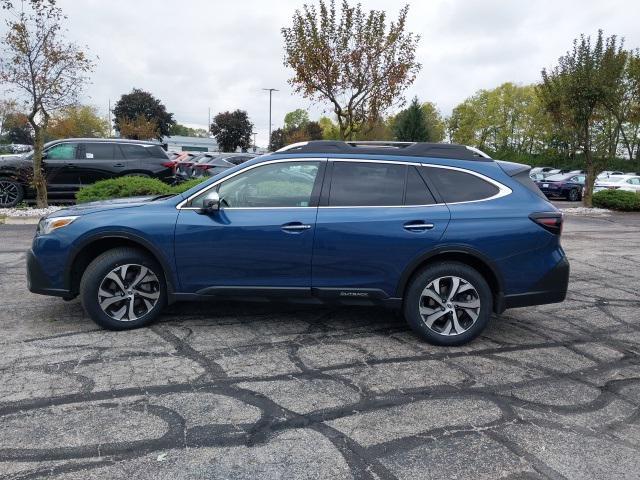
[248,391]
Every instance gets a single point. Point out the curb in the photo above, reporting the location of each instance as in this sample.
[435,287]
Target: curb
[21,220]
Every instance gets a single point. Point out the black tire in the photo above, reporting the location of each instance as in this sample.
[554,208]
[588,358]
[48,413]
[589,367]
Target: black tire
[11,192]
[96,273]
[413,300]
[573,195]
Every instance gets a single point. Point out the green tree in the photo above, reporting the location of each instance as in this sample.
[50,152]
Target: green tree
[410,124]
[78,121]
[435,122]
[584,84]
[140,103]
[278,140]
[330,131]
[296,119]
[352,59]
[42,67]
[183,130]
[139,128]
[232,130]
[16,129]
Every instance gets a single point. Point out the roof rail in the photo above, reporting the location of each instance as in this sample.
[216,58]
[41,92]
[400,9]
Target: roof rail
[414,149]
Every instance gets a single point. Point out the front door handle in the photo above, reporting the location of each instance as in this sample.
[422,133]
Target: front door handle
[418,226]
[119,165]
[295,227]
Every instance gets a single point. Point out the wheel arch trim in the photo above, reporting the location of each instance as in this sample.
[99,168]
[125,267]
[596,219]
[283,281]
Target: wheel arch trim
[169,273]
[455,250]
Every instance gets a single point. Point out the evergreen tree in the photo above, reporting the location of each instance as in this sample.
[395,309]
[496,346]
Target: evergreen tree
[410,124]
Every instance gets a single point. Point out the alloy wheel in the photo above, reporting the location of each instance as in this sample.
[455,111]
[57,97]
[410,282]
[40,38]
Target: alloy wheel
[9,192]
[449,305]
[128,292]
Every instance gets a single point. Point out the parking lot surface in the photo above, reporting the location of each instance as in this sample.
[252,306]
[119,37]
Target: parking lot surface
[244,391]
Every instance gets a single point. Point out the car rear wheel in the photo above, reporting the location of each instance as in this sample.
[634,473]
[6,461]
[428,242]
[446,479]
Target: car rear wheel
[448,303]
[574,195]
[123,289]
[11,192]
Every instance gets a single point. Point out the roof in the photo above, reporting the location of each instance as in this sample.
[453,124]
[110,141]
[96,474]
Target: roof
[413,149]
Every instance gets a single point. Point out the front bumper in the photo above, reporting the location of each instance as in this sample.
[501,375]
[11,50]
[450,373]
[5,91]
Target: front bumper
[37,280]
[552,288]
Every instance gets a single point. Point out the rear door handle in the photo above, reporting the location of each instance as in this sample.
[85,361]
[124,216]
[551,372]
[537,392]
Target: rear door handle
[119,165]
[295,227]
[71,165]
[418,226]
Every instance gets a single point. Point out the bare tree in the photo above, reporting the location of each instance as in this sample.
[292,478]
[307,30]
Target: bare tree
[41,67]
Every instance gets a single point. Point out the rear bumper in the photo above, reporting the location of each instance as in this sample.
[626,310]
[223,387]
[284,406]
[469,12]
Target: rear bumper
[37,280]
[552,288]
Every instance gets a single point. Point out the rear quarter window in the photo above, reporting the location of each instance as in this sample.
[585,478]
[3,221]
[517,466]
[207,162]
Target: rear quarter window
[456,186]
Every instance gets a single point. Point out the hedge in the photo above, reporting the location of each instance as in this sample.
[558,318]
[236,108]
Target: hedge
[617,200]
[131,187]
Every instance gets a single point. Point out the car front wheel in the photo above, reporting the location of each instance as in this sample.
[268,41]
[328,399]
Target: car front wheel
[11,192]
[123,289]
[448,303]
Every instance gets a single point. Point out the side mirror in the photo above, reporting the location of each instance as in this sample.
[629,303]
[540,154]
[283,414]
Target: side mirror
[211,203]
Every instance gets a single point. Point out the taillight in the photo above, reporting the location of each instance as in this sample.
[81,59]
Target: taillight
[169,164]
[204,167]
[550,221]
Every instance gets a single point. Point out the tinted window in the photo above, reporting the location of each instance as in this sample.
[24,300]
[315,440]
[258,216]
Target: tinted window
[456,186]
[134,151]
[98,151]
[63,151]
[288,184]
[417,191]
[366,184]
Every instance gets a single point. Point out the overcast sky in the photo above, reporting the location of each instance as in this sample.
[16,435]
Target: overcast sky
[196,54]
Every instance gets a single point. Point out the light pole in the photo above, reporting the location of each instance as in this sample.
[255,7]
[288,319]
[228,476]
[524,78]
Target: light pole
[254,140]
[270,90]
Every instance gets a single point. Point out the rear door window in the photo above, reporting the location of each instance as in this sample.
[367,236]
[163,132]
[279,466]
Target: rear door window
[357,184]
[456,186]
[417,192]
[98,151]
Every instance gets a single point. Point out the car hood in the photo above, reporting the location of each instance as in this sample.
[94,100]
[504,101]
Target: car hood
[10,160]
[100,206]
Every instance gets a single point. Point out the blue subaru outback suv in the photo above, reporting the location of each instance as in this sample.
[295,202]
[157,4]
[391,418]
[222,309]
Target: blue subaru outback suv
[441,231]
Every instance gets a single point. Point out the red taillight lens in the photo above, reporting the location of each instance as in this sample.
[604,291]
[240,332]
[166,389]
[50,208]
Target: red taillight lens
[169,164]
[204,167]
[550,221]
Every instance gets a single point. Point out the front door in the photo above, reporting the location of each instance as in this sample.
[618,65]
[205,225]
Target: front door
[61,171]
[373,220]
[262,235]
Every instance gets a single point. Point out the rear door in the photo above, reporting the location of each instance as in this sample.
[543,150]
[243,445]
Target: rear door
[373,219]
[96,162]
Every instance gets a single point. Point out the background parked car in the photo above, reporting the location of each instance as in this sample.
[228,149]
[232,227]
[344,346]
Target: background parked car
[565,185]
[213,166]
[630,183]
[74,162]
[608,173]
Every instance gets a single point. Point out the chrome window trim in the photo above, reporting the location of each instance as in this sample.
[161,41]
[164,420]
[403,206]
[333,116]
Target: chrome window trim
[249,167]
[503,190]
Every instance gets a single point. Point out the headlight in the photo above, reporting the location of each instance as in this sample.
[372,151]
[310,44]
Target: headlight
[48,225]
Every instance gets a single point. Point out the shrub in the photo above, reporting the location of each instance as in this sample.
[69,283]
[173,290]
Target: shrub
[122,187]
[184,186]
[617,200]
[131,187]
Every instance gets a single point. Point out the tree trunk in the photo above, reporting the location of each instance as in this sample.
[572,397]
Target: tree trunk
[39,180]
